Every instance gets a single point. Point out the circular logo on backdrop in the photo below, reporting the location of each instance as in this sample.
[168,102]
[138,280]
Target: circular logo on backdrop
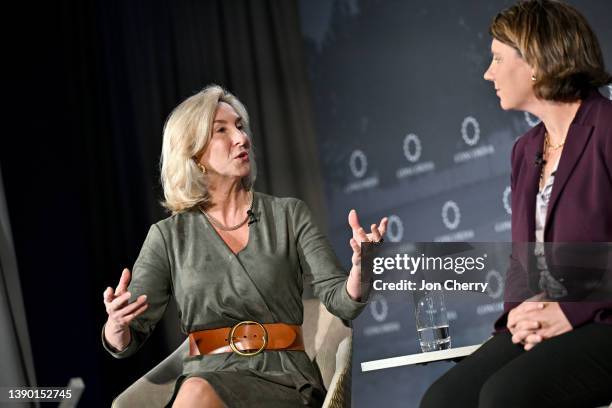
[506,200]
[495,288]
[358,163]
[451,216]
[470,137]
[412,147]
[395,228]
[531,119]
[379,308]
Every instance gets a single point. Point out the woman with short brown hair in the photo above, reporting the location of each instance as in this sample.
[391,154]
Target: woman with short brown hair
[547,351]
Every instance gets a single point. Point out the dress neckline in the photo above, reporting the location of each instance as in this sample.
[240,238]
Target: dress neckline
[220,239]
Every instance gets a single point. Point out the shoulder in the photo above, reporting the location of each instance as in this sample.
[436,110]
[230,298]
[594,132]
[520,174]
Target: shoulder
[518,150]
[176,222]
[599,110]
[279,203]
[599,116]
[595,115]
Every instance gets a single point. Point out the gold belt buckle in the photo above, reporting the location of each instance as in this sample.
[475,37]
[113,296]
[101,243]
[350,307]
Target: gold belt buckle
[248,353]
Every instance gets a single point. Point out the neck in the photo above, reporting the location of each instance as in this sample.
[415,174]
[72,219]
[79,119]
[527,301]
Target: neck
[557,118]
[229,201]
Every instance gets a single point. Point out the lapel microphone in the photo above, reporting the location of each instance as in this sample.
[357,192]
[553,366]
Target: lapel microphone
[252,218]
[539,159]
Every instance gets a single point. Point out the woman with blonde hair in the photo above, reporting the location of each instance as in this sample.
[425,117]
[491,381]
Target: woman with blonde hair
[233,259]
[547,352]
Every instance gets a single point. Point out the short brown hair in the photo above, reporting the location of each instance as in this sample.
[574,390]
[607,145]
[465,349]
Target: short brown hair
[557,41]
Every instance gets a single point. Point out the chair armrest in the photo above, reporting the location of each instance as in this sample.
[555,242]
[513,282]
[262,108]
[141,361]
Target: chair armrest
[339,392]
[155,388]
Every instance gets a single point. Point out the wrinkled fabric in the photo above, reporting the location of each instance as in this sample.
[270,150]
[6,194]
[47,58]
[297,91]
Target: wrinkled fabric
[184,257]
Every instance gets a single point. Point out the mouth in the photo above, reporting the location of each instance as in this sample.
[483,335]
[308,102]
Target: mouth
[243,156]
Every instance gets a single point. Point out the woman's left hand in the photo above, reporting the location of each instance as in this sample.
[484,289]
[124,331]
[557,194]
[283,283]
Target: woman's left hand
[353,285]
[550,318]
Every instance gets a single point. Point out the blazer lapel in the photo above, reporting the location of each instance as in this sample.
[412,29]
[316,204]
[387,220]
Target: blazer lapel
[576,141]
[532,177]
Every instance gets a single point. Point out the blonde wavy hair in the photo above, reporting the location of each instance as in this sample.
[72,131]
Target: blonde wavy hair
[186,135]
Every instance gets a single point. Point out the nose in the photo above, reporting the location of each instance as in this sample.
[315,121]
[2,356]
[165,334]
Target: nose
[240,138]
[488,75]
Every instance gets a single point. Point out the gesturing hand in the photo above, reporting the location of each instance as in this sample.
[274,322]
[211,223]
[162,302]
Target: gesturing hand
[359,235]
[353,284]
[120,313]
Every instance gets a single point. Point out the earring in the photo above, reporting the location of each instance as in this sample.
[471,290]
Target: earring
[202,167]
[533,78]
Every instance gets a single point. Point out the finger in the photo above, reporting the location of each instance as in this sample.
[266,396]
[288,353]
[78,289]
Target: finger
[529,346]
[382,227]
[108,295]
[362,236]
[124,281]
[533,338]
[528,325]
[531,306]
[127,319]
[130,308]
[514,317]
[523,312]
[355,246]
[520,335]
[375,236]
[353,220]
[119,302]
[517,318]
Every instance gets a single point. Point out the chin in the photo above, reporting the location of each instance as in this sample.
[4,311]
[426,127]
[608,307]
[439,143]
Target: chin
[505,106]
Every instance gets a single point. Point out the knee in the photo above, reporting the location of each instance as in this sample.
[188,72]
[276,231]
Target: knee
[437,395]
[196,392]
[502,392]
[196,385]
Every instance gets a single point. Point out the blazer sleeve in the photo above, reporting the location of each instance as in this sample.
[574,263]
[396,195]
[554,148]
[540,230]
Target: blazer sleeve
[581,313]
[516,287]
[151,277]
[516,277]
[317,258]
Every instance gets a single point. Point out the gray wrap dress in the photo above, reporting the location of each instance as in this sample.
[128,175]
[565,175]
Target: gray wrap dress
[184,257]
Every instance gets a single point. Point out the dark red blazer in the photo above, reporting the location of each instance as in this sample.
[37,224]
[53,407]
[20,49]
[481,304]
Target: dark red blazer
[580,207]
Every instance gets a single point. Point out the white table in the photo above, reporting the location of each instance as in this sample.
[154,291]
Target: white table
[419,358]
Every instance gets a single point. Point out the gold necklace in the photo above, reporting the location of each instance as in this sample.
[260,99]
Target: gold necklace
[548,144]
[224,227]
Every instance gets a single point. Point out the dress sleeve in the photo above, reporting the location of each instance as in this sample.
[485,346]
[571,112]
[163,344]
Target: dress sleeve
[317,258]
[151,277]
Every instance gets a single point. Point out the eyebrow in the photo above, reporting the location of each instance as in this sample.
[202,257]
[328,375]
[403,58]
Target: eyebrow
[225,121]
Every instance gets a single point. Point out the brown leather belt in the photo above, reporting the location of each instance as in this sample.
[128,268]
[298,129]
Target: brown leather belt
[246,338]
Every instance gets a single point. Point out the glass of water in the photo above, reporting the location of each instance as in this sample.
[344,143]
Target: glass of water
[432,321]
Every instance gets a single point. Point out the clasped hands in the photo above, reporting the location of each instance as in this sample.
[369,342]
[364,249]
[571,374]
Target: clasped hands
[353,284]
[536,320]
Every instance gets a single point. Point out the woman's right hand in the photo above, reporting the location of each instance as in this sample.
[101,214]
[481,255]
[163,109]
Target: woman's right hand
[120,313]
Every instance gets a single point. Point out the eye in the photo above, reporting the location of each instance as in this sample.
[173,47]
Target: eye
[240,126]
[497,58]
[220,130]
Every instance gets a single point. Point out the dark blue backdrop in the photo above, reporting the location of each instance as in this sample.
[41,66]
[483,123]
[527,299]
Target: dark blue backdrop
[408,127]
